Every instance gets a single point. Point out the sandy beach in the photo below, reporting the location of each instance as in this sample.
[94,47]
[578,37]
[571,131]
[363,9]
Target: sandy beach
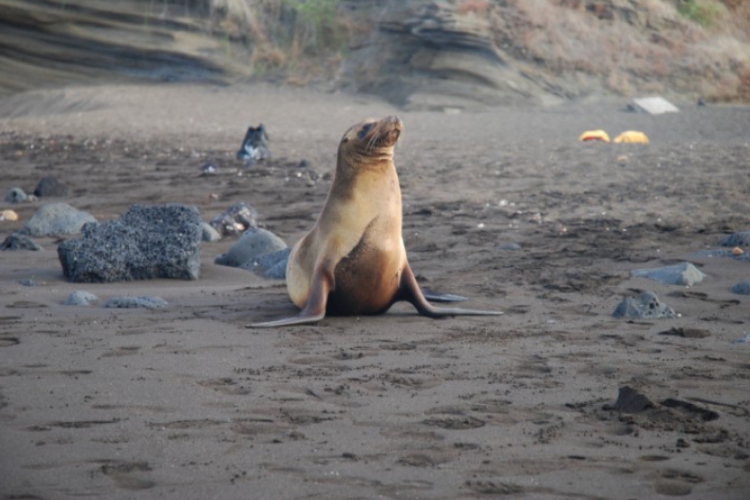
[504,207]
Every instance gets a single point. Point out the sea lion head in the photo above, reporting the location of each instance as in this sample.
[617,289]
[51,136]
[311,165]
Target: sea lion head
[372,137]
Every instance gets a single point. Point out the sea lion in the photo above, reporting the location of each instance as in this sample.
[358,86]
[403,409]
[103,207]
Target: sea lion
[353,261]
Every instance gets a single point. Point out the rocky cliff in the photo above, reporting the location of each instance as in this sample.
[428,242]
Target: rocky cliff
[417,53]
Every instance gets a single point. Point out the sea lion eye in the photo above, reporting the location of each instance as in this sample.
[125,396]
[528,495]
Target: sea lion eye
[362,133]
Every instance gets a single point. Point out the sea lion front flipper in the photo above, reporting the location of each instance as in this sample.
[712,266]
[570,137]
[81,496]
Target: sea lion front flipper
[409,291]
[315,308]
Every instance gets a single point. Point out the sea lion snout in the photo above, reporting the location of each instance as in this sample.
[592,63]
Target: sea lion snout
[393,119]
[389,130]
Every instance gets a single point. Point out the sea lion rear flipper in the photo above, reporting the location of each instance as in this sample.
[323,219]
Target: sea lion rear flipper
[410,292]
[315,308]
[441,297]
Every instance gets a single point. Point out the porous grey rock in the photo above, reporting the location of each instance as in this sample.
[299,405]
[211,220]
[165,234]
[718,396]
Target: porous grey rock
[236,219]
[80,298]
[15,195]
[741,288]
[271,266]
[741,239]
[646,306]
[144,301]
[253,244]
[50,187]
[208,233]
[146,242]
[56,219]
[684,273]
[16,241]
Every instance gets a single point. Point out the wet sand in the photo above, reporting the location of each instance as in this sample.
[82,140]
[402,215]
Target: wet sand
[186,402]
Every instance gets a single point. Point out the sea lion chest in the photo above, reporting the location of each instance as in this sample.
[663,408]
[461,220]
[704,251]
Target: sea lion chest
[367,274]
[358,237]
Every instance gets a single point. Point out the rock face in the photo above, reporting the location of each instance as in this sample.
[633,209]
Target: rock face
[146,242]
[56,219]
[418,53]
[81,41]
[437,54]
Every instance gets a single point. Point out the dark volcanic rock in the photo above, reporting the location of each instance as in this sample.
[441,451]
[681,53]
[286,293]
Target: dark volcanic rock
[17,241]
[50,187]
[146,242]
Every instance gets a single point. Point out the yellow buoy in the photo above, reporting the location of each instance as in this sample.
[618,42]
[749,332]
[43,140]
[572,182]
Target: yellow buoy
[632,136]
[594,135]
[8,215]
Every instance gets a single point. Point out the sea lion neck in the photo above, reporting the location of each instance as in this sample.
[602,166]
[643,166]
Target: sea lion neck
[355,160]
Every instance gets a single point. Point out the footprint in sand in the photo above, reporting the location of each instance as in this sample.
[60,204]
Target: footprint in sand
[676,483]
[225,385]
[126,475]
[8,341]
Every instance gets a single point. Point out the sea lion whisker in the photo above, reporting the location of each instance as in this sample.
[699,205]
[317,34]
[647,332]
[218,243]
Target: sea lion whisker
[375,137]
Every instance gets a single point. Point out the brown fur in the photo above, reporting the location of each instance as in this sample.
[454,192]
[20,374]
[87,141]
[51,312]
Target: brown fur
[353,261]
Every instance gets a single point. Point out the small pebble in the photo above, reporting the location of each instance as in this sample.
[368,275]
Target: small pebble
[210,168]
[15,195]
[80,298]
[209,233]
[741,288]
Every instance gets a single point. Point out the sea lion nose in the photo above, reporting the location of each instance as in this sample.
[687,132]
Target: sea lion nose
[395,120]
